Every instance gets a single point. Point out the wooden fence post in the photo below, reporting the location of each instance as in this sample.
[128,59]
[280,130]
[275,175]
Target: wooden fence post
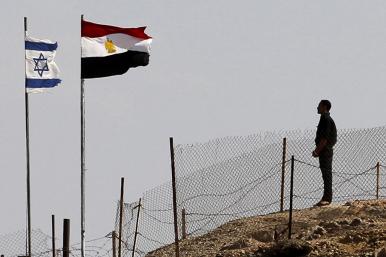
[291,197]
[377,193]
[283,174]
[177,249]
[66,238]
[183,219]
[114,243]
[136,227]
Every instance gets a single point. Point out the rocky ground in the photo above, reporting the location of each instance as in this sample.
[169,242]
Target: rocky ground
[353,229]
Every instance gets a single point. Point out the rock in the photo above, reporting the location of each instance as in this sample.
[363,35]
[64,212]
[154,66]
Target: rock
[350,239]
[381,252]
[315,236]
[303,235]
[356,222]
[319,230]
[330,213]
[344,222]
[235,245]
[332,225]
[264,236]
[287,248]
[358,233]
[359,238]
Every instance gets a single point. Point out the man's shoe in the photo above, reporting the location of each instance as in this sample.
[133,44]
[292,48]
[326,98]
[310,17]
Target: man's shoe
[323,203]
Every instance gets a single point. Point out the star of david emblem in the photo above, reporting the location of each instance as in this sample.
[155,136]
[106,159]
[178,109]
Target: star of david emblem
[41,64]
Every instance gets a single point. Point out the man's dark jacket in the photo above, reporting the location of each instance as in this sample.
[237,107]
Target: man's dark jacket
[327,130]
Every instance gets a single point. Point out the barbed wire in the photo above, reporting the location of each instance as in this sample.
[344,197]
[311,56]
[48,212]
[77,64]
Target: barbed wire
[152,239]
[158,220]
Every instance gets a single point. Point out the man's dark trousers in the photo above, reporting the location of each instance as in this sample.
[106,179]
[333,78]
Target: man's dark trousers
[325,162]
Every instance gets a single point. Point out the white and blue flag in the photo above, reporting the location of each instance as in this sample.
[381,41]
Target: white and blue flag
[41,70]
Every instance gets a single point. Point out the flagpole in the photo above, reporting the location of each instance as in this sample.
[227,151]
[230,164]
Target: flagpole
[82,154]
[27,155]
[82,179]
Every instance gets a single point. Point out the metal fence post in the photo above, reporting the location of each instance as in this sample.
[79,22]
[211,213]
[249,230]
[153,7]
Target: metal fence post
[121,218]
[283,174]
[291,197]
[377,180]
[53,235]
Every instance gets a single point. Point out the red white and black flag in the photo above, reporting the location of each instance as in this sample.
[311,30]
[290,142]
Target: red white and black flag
[109,50]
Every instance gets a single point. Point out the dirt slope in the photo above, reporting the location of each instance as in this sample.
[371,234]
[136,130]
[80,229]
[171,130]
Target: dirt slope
[353,229]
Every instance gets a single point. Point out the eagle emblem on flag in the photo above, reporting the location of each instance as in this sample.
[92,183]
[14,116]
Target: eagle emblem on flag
[110,47]
[109,50]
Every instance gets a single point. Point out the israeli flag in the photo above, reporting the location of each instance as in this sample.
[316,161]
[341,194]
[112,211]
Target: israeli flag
[41,70]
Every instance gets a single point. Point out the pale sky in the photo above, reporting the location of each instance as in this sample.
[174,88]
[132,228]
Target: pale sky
[217,68]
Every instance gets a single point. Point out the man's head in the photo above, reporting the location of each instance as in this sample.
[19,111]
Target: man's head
[324,106]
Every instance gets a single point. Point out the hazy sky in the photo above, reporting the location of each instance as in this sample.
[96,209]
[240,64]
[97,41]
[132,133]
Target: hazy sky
[217,68]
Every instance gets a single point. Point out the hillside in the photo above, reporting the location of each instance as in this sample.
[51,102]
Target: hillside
[353,229]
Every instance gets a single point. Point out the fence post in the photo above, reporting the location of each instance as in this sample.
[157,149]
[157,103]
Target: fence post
[53,235]
[291,197]
[120,218]
[66,238]
[378,180]
[136,227]
[283,174]
[174,197]
[113,237]
[183,219]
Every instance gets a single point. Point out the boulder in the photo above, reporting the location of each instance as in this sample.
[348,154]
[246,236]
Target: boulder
[264,236]
[287,248]
[381,252]
[319,230]
[356,222]
[235,245]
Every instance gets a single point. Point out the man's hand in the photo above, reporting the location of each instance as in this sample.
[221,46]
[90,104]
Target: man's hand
[319,147]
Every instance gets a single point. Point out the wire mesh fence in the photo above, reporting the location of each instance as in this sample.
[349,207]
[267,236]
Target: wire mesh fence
[155,222]
[236,177]
[97,247]
[14,244]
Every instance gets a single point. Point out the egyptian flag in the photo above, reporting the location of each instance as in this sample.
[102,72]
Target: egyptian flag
[109,50]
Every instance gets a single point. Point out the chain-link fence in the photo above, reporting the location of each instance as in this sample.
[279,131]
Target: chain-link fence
[14,244]
[97,247]
[236,177]
[155,223]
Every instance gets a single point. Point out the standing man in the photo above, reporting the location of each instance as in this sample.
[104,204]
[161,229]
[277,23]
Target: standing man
[325,140]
